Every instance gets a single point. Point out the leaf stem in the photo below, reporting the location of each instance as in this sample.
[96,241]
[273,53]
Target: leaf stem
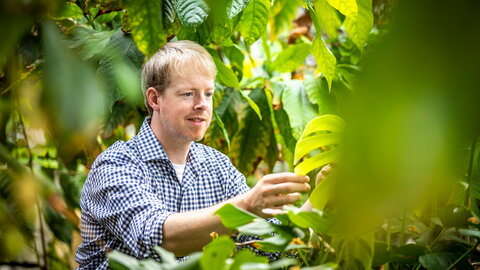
[463,255]
[470,170]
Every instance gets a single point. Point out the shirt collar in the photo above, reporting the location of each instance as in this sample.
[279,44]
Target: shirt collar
[150,147]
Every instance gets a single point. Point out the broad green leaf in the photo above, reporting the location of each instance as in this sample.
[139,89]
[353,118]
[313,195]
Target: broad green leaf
[291,58]
[259,227]
[299,109]
[192,12]
[108,17]
[250,143]
[233,217]
[327,17]
[306,145]
[216,253]
[225,76]
[236,6]
[88,42]
[120,261]
[321,159]
[346,7]
[359,27]
[145,18]
[327,122]
[312,220]
[254,20]
[287,140]
[246,256]
[437,261]
[354,251]
[276,243]
[322,193]
[318,93]
[326,61]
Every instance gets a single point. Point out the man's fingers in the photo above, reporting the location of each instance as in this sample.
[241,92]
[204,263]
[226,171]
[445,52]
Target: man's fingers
[284,199]
[289,187]
[326,170]
[285,177]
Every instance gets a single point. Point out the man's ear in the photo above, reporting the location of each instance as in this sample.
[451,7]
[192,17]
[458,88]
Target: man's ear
[152,97]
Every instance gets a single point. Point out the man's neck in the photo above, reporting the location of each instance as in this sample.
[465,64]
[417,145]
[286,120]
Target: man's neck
[176,149]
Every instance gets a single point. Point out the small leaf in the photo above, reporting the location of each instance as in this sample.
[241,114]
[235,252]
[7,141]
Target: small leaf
[252,104]
[327,17]
[225,76]
[254,20]
[312,220]
[291,58]
[192,12]
[346,7]
[69,11]
[233,217]
[326,61]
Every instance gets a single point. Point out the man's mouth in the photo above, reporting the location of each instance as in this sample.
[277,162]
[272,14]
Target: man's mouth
[196,119]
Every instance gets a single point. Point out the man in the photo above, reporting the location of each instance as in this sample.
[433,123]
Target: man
[161,188]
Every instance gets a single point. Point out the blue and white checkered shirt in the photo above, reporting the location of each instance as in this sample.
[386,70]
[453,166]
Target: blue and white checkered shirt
[132,188]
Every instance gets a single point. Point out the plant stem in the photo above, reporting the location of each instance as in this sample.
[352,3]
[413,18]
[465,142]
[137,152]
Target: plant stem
[463,255]
[402,232]
[470,170]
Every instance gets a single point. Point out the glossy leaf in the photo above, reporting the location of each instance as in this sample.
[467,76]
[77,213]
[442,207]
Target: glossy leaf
[254,20]
[233,217]
[358,27]
[346,7]
[169,10]
[326,61]
[145,18]
[192,12]
[291,58]
[234,7]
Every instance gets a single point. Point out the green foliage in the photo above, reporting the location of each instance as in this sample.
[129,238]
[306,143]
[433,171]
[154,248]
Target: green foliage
[399,198]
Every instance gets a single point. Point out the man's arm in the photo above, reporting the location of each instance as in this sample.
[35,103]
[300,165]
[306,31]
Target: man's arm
[184,233]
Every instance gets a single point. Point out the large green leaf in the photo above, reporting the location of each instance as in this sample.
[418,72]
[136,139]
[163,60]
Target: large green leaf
[216,253]
[318,93]
[346,7]
[437,261]
[326,61]
[169,10]
[324,130]
[299,109]
[322,193]
[192,12]
[145,18]
[254,20]
[354,251]
[358,27]
[246,256]
[291,58]
[250,143]
[89,42]
[233,217]
[287,140]
[313,219]
[327,17]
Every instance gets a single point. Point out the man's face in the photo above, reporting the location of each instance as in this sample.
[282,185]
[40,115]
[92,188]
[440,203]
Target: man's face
[185,108]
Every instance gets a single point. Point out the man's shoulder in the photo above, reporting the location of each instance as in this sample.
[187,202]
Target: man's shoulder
[120,152]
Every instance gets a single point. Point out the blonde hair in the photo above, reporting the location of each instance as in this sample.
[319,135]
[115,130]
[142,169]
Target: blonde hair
[175,58]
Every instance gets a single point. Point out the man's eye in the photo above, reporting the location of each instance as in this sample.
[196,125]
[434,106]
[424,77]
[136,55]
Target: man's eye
[209,94]
[189,94]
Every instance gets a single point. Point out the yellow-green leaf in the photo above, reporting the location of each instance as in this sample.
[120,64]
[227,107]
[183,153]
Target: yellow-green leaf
[291,58]
[359,27]
[254,20]
[346,7]
[327,17]
[328,122]
[311,163]
[326,61]
[306,145]
[225,75]
[322,193]
[145,18]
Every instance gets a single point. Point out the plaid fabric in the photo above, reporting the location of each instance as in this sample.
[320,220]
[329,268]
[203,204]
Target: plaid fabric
[132,188]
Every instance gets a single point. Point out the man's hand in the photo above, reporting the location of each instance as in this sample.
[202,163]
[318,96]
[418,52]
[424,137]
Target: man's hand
[273,191]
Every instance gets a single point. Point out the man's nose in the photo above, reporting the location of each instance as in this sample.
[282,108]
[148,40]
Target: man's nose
[201,102]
